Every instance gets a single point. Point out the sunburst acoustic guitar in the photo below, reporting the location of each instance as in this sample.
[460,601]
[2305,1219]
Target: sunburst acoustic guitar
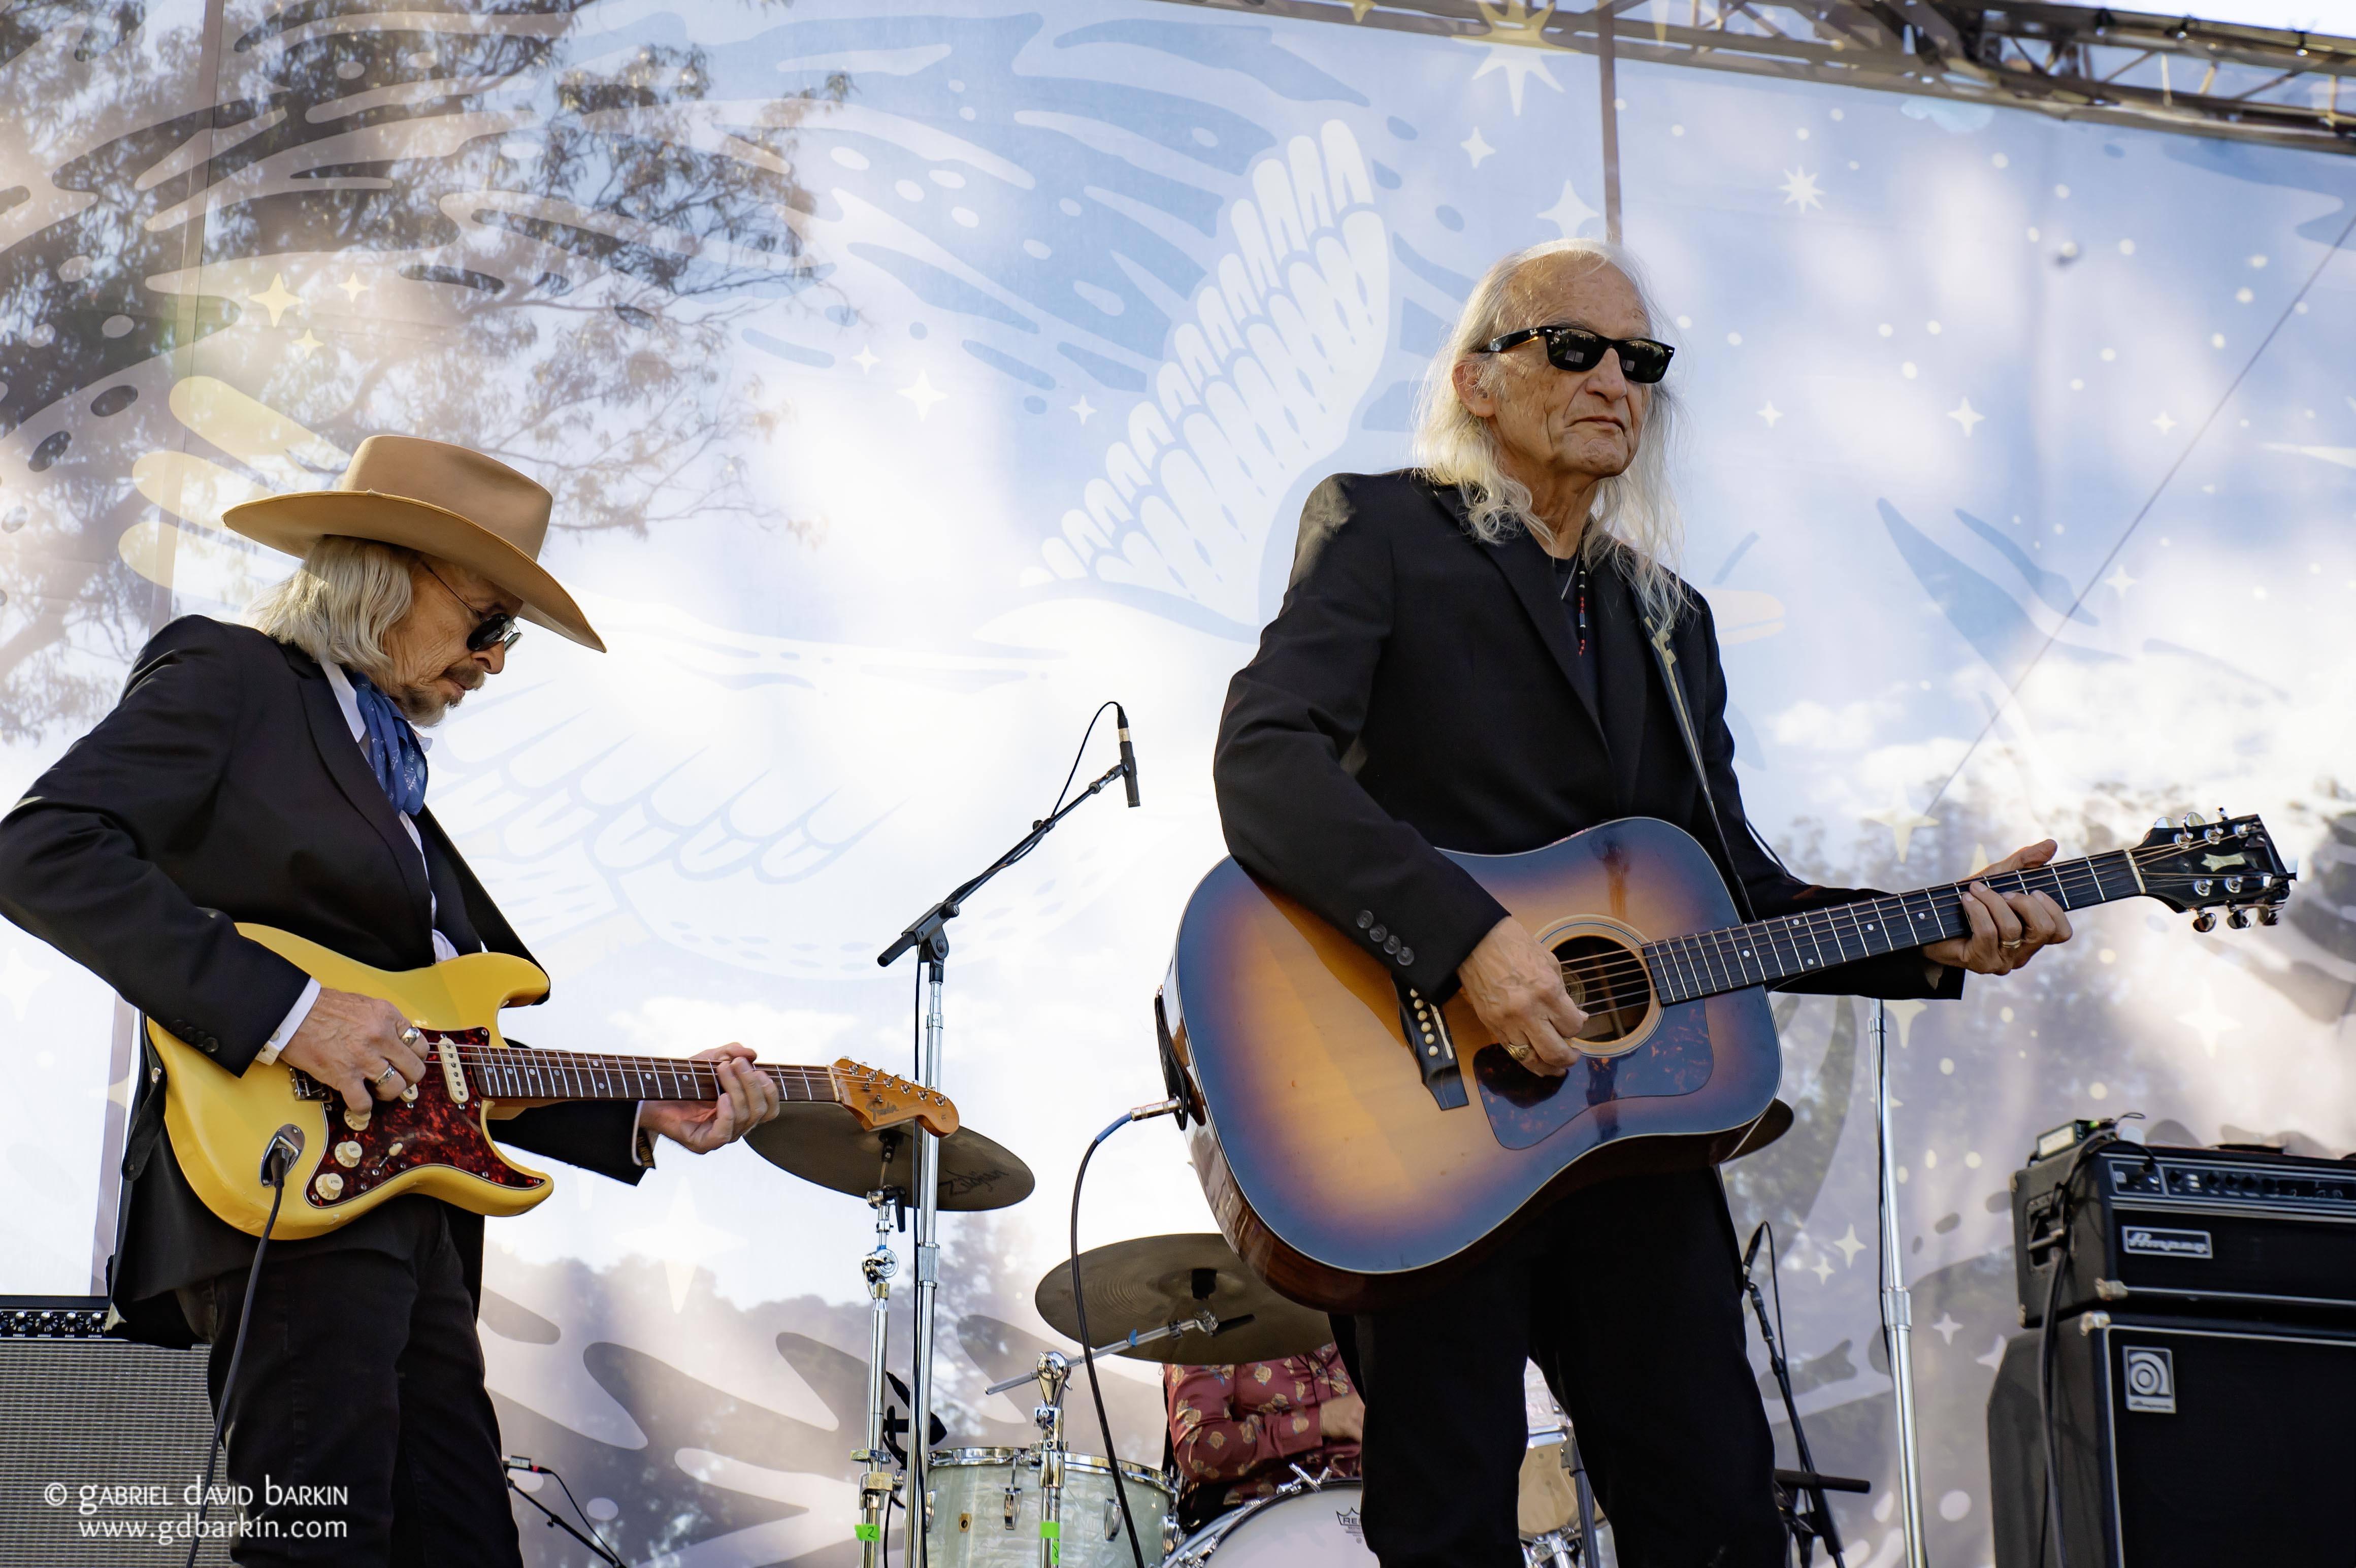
[436,1139]
[1359,1142]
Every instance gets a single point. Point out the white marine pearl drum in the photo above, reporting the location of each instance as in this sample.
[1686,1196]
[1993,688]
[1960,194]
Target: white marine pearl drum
[986,1511]
[1302,1528]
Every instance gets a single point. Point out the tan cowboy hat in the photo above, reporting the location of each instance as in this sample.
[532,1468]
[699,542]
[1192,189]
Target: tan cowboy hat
[433,496]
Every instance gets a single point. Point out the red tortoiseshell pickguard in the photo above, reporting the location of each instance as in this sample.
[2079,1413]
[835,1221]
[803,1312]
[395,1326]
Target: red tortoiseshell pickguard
[405,1135]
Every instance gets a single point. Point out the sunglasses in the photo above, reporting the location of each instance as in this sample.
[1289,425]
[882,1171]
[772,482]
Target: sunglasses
[498,627]
[1641,361]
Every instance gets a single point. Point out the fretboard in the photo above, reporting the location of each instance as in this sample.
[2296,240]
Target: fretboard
[1764,951]
[517,1073]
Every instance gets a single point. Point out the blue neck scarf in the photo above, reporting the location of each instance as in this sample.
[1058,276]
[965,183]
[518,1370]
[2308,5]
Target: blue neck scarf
[393,750]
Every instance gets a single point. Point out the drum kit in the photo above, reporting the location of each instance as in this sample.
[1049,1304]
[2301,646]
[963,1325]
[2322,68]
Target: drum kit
[1185,1299]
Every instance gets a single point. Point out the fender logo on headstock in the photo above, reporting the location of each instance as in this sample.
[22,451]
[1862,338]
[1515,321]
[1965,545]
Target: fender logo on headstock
[2220,862]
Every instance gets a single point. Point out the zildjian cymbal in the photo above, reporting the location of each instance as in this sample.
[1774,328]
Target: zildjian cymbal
[1133,1286]
[824,1144]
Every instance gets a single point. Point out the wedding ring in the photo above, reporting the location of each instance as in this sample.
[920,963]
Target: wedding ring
[2012,944]
[1519,1052]
[390,1072]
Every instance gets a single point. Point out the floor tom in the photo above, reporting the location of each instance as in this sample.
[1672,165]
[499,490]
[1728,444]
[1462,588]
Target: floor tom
[986,1510]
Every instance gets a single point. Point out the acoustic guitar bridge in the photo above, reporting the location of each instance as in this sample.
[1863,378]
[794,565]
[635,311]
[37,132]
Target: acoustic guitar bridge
[1426,1028]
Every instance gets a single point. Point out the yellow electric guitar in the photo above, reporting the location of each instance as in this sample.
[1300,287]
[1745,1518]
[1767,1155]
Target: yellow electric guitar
[436,1139]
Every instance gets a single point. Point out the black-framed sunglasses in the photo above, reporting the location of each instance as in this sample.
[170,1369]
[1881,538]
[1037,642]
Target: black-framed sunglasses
[498,627]
[1641,361]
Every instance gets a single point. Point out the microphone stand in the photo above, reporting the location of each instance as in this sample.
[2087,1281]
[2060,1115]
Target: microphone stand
[1897,1304]
[1813,1522]
[928,934]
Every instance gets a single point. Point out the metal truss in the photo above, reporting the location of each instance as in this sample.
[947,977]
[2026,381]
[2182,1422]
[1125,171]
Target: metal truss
[2120,67]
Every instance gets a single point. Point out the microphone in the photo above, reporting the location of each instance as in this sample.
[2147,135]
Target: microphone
[1752,1252]
[1128,753]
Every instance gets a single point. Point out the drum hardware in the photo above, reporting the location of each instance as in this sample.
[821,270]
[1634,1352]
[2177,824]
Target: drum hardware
[927,935]
[1162,1292]
[987,1508]
[1206,1323]
[1299,1527]
[1053,1370]
[876,1482]
[1804,1504]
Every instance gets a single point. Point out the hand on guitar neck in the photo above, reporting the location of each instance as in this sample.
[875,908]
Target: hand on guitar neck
[1515,985]
[2007,928]
[352,1043]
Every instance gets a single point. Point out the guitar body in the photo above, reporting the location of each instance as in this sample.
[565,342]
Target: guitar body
[221,1126]
[1331,1163]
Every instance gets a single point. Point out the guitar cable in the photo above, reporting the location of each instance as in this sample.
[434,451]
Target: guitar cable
[1080,1308]
[275,1159]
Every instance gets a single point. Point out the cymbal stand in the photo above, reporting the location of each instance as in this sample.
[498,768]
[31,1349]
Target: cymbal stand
[928,936]
[876,1480]
[1053,1368]
[1897,1304]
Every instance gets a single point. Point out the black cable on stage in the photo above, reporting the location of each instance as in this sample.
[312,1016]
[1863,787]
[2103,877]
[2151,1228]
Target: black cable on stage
[1080,1308]
[275,1161]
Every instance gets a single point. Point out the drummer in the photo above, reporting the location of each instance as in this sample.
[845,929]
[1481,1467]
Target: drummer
[1237,1432]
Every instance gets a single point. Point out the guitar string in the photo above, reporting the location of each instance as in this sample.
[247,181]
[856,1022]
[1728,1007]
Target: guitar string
[1814,924]
[1706,948]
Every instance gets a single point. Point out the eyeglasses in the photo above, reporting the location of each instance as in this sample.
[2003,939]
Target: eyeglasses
[1641,361]
[498,626]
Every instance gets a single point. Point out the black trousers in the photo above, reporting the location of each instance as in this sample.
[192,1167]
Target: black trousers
[362,1372]
[1626,1296]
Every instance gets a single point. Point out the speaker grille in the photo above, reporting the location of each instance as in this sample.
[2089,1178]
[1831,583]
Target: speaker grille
[98,1413]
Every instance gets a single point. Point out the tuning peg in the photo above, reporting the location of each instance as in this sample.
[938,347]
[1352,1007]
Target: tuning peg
[2160,824]
[2192,820]
[2239,919]
[2205,921]
[2203,887]
[2270,914]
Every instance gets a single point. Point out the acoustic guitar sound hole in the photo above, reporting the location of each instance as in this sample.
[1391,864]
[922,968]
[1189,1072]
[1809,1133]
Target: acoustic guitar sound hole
[1609,982]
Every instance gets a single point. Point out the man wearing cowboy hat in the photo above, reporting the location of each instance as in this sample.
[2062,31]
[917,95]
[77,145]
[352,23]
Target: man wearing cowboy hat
[272,774]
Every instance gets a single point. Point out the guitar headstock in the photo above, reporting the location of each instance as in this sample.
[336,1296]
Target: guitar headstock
[880,1099]
[2204,865]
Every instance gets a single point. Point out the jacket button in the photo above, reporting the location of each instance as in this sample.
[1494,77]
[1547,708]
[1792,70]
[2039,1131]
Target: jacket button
[1377,934]
[1365,918]
[1406,957]
[1392,945]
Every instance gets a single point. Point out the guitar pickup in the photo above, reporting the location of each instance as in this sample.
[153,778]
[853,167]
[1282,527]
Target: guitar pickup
[1426,1028]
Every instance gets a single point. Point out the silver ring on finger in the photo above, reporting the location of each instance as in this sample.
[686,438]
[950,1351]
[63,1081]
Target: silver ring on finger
[410,1036]
[390,1072]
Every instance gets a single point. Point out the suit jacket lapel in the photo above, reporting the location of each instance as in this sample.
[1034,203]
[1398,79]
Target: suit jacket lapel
[341,756]
[1529,572]
[1626,677]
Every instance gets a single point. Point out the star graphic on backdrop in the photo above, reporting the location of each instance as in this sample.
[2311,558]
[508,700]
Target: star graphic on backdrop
[275,299]
[1083,408]
[2343,455]
[1569,214]
[865,359]
[2208,1022]
[352,286]
[1822,1269]
[1995,1356]
[19,980]
[305,343]
[2119,582]
[1901,820]
[1799,188]
[1980,860]
[1476,148]
[1906,1013]
[1358,9]
[1849,1245]
[1771,413]
[1945,1327]
[923,393]
[1964,415]
[2163,424]
[681,1242]
[1516,44]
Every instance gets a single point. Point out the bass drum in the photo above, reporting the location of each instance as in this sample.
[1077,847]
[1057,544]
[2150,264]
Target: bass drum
[1314,1528]
[985,1510]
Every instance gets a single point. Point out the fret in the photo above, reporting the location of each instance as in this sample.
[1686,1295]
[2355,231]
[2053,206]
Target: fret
[1711,964]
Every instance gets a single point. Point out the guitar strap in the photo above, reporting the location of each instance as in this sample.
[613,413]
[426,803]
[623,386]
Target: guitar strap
[1666,660]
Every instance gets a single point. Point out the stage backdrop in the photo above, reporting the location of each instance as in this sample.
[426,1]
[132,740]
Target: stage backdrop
[911,381]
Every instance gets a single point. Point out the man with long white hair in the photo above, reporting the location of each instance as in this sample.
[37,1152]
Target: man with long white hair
[1461,661]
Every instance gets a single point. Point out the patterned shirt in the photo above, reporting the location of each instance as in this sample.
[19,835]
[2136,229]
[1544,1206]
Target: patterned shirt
[1242,1428]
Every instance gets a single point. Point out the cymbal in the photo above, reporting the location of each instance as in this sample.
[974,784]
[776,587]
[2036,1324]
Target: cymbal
[823,1143]
[1146,1282]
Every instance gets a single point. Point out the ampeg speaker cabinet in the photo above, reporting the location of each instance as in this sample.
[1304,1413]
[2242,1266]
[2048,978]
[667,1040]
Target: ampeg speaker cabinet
[2183,1443]
[100,1442]
[2216,1231]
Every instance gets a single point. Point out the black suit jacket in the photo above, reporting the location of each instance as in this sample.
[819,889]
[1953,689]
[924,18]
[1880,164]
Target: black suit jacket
[226,786]
[1415,691]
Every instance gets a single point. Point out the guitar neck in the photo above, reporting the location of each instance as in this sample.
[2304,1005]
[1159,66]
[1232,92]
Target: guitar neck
[525,1074]
[1733,957]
